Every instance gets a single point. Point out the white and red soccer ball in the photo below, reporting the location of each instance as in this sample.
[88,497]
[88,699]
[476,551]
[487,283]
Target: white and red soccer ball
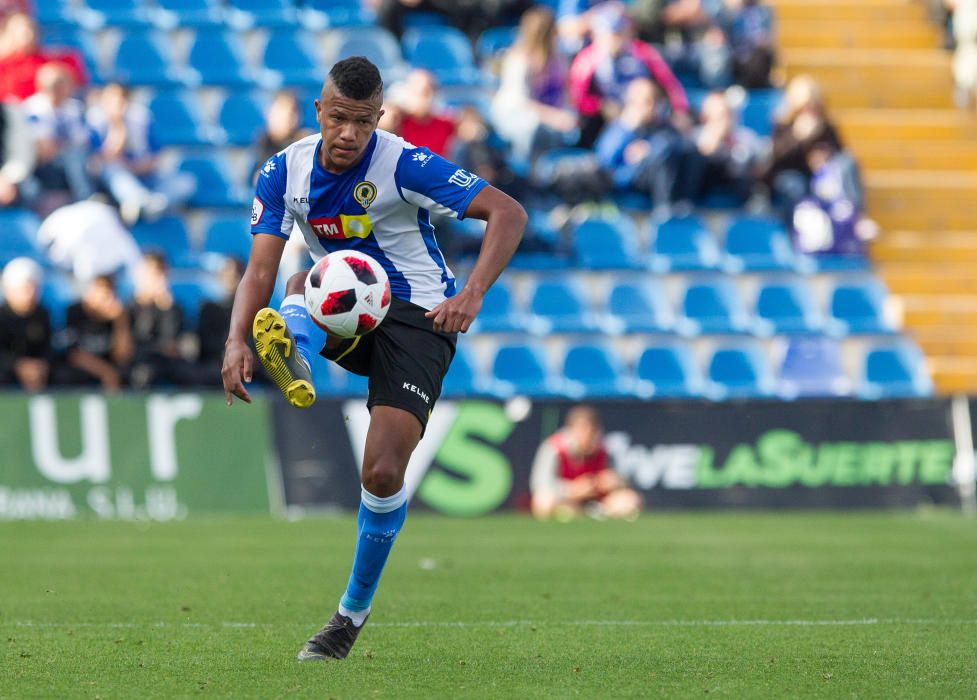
[347,293]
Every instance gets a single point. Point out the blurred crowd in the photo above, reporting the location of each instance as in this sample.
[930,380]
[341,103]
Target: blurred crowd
[959,21]
[588,107]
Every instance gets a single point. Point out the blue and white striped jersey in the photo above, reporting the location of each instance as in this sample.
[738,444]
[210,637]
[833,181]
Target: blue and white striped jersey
[381,207]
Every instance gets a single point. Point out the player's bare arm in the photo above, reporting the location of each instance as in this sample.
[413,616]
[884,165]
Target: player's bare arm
[252,294]
[506,221]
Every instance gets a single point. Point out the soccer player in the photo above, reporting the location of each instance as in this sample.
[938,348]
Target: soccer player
[353,186]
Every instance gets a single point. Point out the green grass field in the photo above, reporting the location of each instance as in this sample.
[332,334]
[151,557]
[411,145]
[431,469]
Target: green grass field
[765,605]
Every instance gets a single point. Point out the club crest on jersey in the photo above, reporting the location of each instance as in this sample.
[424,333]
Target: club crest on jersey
[364,193]
[342,226]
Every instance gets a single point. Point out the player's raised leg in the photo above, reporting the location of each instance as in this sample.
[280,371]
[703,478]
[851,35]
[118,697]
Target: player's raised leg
[286,341]
[392,437]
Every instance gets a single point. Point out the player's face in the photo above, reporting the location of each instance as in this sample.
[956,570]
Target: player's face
[346,126]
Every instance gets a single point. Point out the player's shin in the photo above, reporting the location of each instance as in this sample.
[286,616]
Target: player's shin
[309,338]
[379,521]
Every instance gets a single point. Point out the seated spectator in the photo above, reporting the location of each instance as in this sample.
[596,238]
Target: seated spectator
[87,239]
[157,325]
[728,152]
[127,154]
[471,16]
[801,122]
[643,152]
[98,338]
[21,58]
[965,53]
[573,473]
[830,220]
[283,125]
[421,125]
[57,122]
[392,118]
[478,150]
[25,328]
[528,110]
[703,48]
[16,157]
[214,323]
[749,28]
[601,72]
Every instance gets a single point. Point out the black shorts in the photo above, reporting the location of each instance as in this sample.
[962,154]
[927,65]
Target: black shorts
[405,359]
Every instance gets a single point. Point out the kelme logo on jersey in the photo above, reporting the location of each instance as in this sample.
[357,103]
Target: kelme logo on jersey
[342,226]
[364,193]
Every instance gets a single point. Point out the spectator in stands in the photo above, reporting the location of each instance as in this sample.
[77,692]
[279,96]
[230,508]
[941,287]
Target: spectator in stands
[642,151]
[471,16]
[25,328]
[215,320]
[9,8]
[16,157]
[421,125]
[478,150]
[749,28]
[57,122]
[529,109]
[574,19]
[99,338]
[573,473]
[965,53]
[87,239]
[392,118]
[600,74]
[703,47]
[728,153]
[21,58]
[283,125]
[801,122]
[157,327]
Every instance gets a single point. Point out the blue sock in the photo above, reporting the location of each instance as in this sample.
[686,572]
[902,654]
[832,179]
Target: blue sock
[309,338]
[379,521]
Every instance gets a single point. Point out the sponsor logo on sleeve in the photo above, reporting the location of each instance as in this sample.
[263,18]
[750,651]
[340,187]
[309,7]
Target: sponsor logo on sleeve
[257,210]
[463,179]
[269,168]
[421,157]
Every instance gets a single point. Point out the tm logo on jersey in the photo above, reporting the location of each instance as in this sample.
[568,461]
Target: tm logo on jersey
[342,226]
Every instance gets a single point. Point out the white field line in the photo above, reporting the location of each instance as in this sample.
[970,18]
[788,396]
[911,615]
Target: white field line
[513,623]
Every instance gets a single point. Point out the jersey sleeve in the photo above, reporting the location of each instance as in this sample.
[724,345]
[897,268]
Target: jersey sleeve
[430,182]
[268,213]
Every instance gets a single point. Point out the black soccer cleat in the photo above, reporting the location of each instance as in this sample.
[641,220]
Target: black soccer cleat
[333,641]
[277,352]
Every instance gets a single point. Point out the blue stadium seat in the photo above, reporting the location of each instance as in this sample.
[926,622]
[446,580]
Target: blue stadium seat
[521,369]
[167,235]
[376,43]
[463,379]
[248,14]
[50,13]
[757,243]
[229,236]
[641,307]
[318,14]
[69,36]
[739,371]
[190,290]
[712,306]
[445,51]
[422,19]
[188,13]
[669,370]
[179,120]
[242,118]
[493,41]
[683,243]
[216,187]
[858,307]
[146,58]
[605,244]
[758,111]
[812,367]
[594,371]
[58,291]
[291,56]
[561,306]
[18,235]
[895,371]
[500,314]
[219,59]
[125,14]
[787,306]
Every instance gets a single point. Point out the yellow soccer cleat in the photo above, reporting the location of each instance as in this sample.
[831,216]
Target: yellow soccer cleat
[283,363]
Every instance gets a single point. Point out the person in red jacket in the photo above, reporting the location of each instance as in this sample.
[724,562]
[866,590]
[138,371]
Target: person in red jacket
[21,58]
[601,72]
[573,473]
[422,125]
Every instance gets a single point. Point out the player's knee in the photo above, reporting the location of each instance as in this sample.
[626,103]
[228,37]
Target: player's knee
[383,478]
[296,283]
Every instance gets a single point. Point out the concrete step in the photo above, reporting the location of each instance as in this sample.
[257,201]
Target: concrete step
[918,277]
[866,12]
[948,311]
[922,200]
[950,341]
[829,34]
[953,375]
[916,154]
[896,126]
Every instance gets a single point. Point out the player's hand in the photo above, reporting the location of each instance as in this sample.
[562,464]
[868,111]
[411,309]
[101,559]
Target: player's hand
[455,314]
[238,363]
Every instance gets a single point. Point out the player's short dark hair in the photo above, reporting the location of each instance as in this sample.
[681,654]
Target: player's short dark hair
[356,78]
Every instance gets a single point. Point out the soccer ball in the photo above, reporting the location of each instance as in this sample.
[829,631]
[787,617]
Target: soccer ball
[347,293]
